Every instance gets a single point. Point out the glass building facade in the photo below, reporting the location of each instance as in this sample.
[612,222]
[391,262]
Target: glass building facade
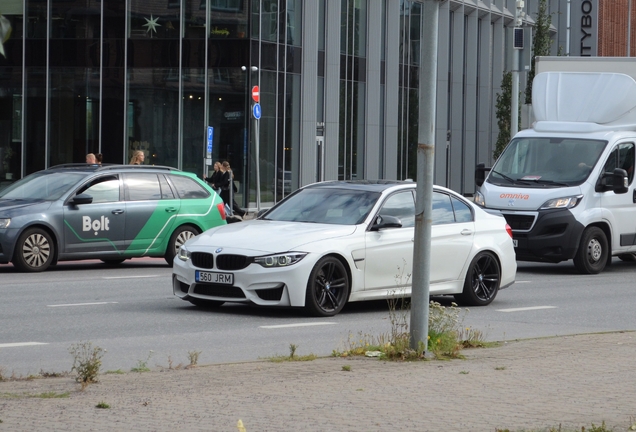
[338,84]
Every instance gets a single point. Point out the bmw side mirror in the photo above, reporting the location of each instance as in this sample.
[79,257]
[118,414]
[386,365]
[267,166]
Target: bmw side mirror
[386,221]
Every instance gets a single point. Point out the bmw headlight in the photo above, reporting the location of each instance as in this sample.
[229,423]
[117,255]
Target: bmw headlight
[183,254]
[4,223]
[280,260]
[562,203]
[479,199]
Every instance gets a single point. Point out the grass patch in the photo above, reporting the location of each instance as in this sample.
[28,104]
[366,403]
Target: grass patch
[44,395]
[142,365]
[593,428]
[102,405]
[115,372]
[292,356]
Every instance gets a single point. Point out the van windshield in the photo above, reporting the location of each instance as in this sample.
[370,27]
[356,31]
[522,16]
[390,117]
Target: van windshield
[546,162]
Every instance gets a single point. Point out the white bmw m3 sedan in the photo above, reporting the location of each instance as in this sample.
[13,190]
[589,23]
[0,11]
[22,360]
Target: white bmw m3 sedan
[335,242]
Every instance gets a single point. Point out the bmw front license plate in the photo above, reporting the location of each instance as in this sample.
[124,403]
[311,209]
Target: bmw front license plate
[214,277]
[515,242]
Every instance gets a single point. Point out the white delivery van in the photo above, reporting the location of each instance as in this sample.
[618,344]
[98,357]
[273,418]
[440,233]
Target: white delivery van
[566,185]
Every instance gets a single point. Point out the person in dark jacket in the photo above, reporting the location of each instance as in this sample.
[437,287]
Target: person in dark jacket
[215,179]
[227,181]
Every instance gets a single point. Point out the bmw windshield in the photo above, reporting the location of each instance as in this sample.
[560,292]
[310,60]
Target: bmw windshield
[325,205]
[45,186]
[546,162]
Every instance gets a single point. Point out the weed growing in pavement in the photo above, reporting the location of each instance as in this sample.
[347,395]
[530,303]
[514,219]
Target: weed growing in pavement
[346,368]
[115,372]
[87,360]
[44,374]
[142,365]
[102,405]
[292,356]
[500,368]
[193,357]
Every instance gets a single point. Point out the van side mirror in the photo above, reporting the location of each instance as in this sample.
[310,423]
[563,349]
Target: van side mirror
[480,174]
[620,181]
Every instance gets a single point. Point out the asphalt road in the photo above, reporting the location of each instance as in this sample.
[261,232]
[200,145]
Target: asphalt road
[130,311]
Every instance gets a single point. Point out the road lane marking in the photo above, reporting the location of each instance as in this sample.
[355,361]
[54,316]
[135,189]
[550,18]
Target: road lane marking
[21,344]
[297,325]
[526,309]
[130,277]
[81,304]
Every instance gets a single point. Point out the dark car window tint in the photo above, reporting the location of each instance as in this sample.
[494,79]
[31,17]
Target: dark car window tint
[462,211]
[402,206]
[102,189]
[142,187]
[442,209]
[166,190]
[188,188]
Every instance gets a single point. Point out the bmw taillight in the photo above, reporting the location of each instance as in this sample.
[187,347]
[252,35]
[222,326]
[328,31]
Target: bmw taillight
[509,230]
[221,208]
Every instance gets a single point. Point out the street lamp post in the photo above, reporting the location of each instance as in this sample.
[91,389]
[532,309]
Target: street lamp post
[517,45]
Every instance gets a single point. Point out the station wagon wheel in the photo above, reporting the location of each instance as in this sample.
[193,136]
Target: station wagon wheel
[178,238]
[34,251]
[482,281]
[591,257]
[327,288]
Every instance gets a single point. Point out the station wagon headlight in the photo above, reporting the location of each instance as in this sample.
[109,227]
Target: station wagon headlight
[183,254]
[4,223]
[562,203]
[280,260]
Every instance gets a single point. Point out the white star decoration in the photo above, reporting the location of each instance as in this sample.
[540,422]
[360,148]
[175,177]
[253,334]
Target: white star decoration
[152,24]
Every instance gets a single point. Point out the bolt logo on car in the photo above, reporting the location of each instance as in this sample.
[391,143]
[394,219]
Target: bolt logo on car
[96,225]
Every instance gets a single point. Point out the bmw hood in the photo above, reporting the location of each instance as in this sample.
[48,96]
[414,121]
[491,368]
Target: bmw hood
[263,236]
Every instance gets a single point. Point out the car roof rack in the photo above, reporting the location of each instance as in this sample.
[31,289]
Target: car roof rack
[107,167]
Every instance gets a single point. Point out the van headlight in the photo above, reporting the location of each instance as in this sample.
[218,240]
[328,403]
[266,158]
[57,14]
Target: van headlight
[4,222]
[562,203]
[183,254]
[280,260]
[479,199]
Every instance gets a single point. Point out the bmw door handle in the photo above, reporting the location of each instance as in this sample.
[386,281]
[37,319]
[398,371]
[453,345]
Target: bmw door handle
[170,209]
[466,232]
[118,211]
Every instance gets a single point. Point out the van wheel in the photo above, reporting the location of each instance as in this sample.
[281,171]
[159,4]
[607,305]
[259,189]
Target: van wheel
[34,251]
[591,257]
[178,238]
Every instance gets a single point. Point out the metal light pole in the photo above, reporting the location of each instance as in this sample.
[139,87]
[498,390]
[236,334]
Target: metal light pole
[256,115]
[517,45]
[420,291]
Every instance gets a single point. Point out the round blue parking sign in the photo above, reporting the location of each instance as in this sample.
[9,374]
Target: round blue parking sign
[257,111]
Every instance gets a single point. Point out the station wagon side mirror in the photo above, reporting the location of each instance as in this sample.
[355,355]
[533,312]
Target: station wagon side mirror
[81,199]
[386,221]
[620,181]
[480,174]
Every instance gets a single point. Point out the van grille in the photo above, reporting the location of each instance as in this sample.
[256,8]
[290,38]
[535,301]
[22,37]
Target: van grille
[519,222]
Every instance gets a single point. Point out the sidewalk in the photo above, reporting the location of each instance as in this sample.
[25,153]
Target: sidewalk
[572,381]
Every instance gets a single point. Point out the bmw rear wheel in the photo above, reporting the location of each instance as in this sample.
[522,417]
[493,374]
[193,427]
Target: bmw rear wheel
[482,281]
[327,288]
[177,239]
[34,251]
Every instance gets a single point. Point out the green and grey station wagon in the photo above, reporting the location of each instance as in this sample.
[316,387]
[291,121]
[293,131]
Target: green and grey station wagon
[111,213]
